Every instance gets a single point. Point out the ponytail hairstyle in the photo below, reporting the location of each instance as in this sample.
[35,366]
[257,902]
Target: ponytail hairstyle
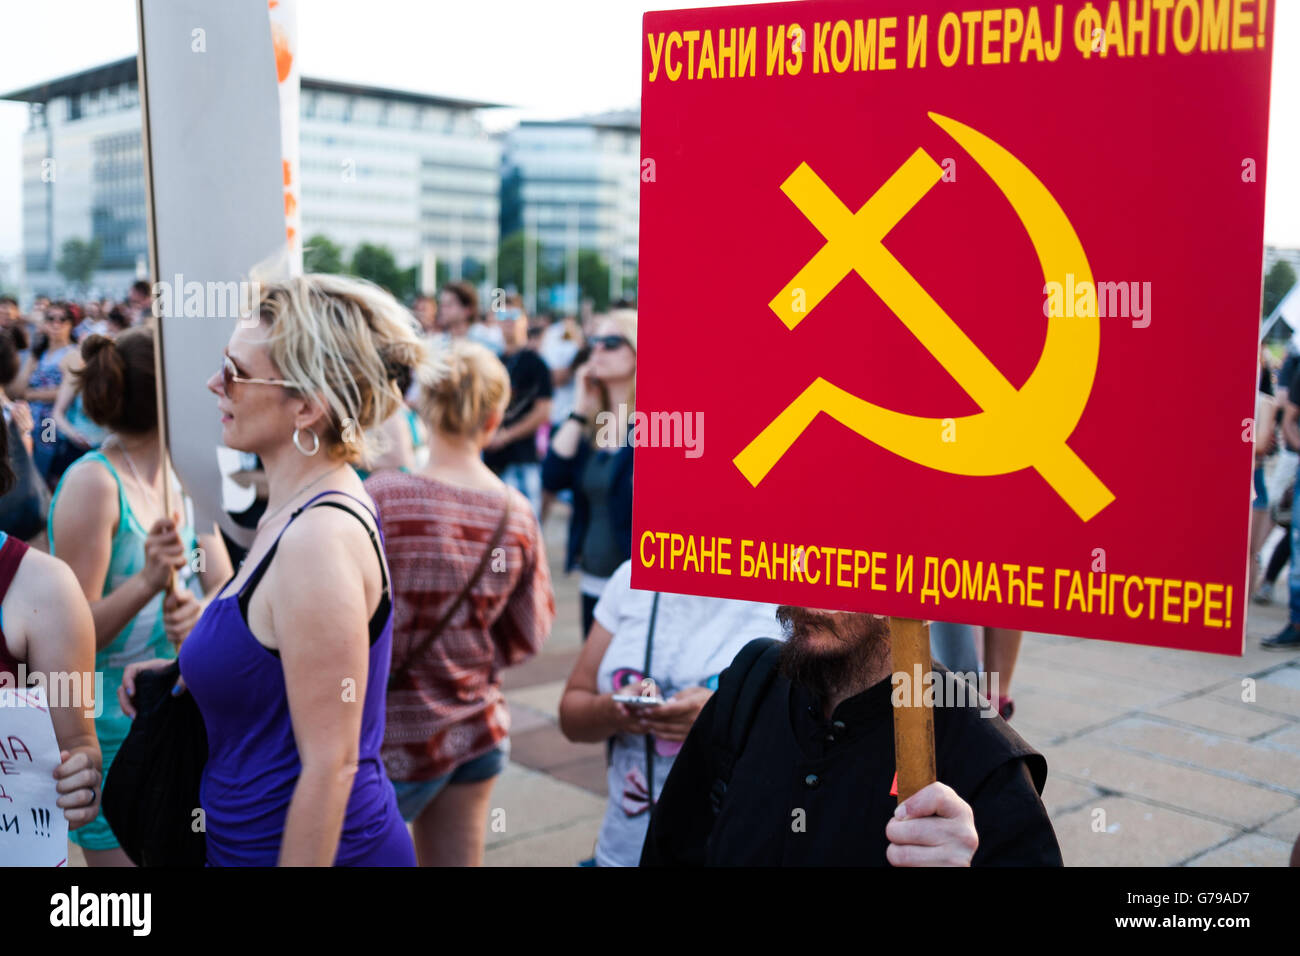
[472,384]
[117,383]
[10,364]
[346,342]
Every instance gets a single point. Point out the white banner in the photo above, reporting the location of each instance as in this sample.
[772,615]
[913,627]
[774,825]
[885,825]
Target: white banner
[217,199]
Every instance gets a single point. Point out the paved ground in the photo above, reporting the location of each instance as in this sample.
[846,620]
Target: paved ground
[1156,758]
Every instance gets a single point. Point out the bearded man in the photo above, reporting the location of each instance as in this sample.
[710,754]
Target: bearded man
[800,771]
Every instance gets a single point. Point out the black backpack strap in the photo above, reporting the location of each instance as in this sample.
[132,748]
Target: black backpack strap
[741,689]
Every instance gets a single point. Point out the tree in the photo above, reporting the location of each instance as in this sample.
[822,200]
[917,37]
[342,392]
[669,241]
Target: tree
[78,261]
[319,254]
[377,264]
[510,264]
[1277,284]
[593,279]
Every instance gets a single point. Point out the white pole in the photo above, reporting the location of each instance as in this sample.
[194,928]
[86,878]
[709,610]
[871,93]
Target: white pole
[530,259]
[571,273]
[429,273]
[457,253]
[615,273]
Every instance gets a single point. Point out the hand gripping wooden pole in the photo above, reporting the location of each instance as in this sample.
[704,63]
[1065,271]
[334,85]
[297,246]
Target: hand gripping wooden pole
[913,721]
[159,367]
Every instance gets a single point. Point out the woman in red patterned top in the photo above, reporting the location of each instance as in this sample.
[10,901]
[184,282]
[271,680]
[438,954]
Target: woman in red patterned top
[473,596]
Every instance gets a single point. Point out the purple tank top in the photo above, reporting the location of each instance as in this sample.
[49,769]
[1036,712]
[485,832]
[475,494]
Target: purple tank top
[253,765]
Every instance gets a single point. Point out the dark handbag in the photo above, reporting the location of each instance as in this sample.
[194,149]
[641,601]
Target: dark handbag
[151,794]
[24,509]
[396,675]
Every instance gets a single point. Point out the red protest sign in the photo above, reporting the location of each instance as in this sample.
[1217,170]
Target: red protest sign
[962,306]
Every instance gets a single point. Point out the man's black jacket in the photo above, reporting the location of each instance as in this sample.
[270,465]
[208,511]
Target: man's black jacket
[812,792]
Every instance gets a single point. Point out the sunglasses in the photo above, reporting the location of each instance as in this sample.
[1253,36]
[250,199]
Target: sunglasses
[608,342]
[230,375]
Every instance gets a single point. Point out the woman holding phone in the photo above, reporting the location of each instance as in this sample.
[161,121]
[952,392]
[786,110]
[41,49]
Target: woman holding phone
[662,654]
[294,775]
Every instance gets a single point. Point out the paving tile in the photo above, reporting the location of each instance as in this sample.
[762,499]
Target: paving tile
[524,718]
[1271,696]
[1285,827]
[542,697]
[1207,751]
[1135,834]
[587,773]
[1235,719]
[1165,679]
[1288,677]
[1288,738]
[534,802]
[563,846]
[1041,717]
[1256,658]
[1098,690]
[1173,671]
[542,669]
[1249,850]
[1061,794]
[546,748]
[1184,788]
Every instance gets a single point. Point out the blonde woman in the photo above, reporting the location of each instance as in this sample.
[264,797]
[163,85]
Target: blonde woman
[598,471]
[293,773]
[473,597]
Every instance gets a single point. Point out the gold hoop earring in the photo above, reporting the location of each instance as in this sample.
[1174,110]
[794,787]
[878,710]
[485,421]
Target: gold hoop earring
[298,445]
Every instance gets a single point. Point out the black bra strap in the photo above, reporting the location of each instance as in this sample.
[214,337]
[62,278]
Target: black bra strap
[374,540]
[380,616]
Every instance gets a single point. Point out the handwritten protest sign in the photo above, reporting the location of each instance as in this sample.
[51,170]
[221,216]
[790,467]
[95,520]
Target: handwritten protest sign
[33,830]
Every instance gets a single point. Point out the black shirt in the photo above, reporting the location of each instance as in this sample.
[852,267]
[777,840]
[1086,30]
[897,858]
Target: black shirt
[1286,373]
[530,380]
[839,774]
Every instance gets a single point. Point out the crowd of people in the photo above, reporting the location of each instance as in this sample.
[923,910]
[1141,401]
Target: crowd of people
[347,660]
[1276,437]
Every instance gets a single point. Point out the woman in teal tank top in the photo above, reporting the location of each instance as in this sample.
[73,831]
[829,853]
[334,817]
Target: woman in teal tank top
[106,521]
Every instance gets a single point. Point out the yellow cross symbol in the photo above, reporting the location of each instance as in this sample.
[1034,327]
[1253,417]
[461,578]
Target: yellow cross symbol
[1016,428]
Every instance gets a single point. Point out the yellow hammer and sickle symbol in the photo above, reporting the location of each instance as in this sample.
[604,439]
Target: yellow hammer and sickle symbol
[1016,428]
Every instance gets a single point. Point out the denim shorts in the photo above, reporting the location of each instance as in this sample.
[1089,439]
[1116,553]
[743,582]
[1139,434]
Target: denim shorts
[413,796]
[1261,491]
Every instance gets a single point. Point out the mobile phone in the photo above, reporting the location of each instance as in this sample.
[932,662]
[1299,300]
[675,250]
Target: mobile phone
[638,700]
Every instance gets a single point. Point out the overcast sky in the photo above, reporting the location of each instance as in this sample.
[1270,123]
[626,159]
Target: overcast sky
[550,58]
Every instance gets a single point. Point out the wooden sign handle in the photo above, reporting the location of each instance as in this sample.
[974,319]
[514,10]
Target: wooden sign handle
[913,722]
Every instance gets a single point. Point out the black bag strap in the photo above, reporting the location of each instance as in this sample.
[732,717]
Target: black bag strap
[400,671]
[645,672]
[741,690]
